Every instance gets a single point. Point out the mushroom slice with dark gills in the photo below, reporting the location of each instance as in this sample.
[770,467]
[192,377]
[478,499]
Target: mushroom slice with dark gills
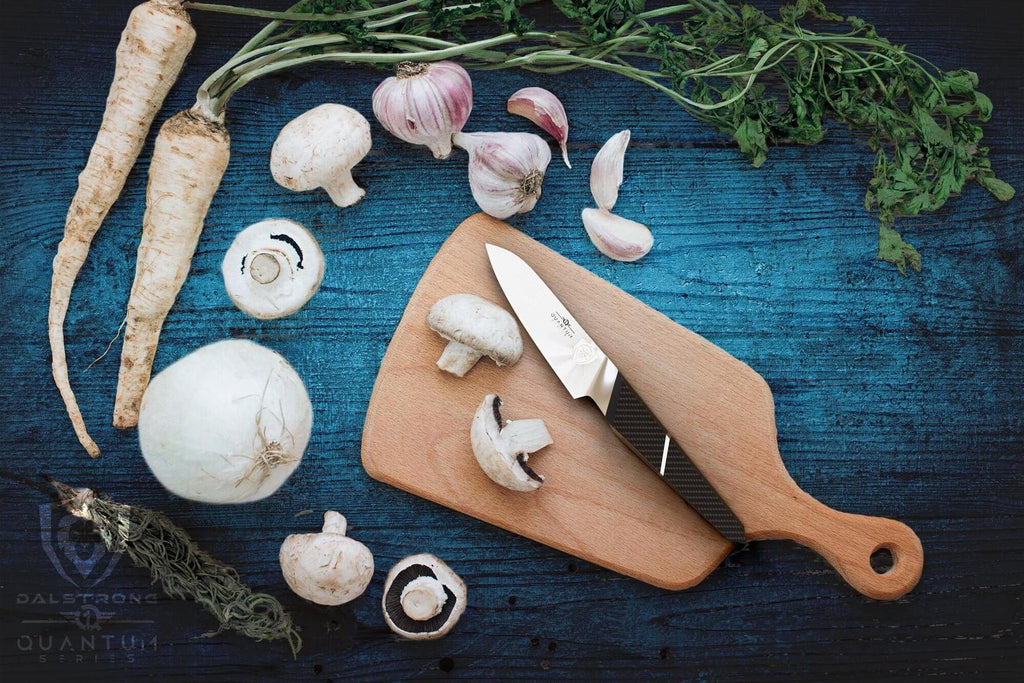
[423,597]
[503,449]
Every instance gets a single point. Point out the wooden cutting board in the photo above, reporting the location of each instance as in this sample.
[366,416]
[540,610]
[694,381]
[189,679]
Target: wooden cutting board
[599,502]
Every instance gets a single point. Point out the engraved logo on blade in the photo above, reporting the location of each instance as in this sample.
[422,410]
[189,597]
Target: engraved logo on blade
[563,324]
[584,352]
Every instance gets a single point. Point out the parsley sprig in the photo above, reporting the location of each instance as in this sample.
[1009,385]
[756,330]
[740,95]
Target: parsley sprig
[763,80]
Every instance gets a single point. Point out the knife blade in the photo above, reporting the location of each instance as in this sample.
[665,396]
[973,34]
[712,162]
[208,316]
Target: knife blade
[586,371]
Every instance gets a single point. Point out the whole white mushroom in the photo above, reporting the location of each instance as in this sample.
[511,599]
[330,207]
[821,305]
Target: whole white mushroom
[319,149]
[228,423]
[328,568]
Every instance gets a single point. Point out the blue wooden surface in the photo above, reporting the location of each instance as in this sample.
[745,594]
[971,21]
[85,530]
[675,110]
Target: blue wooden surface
[894,396]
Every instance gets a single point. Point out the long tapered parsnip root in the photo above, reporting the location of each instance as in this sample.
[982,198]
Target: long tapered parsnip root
[189,160]
[153,48]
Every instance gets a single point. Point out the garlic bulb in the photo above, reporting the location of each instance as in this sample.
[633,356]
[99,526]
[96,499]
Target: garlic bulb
[543,108]
[506,170]
[424,104]
[606,171]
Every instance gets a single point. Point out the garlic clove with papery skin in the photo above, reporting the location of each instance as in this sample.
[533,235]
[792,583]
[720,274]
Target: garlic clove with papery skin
[606,171]
[617,238]
[543,108]
[425,103]
[506,170]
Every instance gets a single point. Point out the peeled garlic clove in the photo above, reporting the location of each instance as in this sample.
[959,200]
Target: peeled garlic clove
[506,170]
[617,238]
[543,108]
[424,104]
[606,171]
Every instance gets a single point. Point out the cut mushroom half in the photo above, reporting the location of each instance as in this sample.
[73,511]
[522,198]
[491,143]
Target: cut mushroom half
[272,268]
[423,597]
[503,449]
[474,328]
[327,568]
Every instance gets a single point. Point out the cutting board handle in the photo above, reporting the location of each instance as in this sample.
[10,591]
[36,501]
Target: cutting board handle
[848,542]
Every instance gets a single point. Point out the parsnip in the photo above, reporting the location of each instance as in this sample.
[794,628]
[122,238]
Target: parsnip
[153,47]
[189,160]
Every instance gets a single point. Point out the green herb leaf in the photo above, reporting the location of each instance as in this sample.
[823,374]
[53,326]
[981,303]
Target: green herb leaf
[999,189]
[750,137]
[892,248]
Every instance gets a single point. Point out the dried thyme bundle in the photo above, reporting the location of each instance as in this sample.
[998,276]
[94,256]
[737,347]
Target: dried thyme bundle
[184,571]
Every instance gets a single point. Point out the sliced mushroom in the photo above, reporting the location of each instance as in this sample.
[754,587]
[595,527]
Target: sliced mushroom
[423,597]
[502,450]
[328,568]
[474,327]
[319,149]
[272,268]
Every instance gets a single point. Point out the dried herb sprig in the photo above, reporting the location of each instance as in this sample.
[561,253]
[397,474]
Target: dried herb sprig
[760,79]
[152,541]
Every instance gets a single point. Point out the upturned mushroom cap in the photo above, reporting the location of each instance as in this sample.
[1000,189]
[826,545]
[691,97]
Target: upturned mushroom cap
[483,328]
[272,268]
[319,149]
[327,568]
[423,597]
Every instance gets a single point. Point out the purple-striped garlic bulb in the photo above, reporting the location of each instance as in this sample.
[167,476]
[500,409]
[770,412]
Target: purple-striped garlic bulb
[425,104]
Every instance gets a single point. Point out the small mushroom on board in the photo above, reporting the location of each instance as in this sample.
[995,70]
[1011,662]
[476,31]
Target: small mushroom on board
[423,597]
[474,327]
[327,568]
[272,268]
[503,449]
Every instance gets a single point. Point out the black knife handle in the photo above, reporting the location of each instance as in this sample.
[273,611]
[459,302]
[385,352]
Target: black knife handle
[634,423]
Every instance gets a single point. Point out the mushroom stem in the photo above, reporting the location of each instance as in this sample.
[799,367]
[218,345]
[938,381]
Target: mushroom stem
[423,598]
[458,359]
[343,190]
[264,267]
[335,522]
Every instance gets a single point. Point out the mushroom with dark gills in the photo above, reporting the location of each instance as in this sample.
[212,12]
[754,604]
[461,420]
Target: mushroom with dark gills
[423,597]
[328,568]
[272,268]
[474,327]
[503,449]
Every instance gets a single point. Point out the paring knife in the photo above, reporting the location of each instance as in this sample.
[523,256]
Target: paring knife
[586,371]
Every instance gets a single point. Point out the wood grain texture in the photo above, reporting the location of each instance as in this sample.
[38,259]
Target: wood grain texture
[892,395]
[599,502]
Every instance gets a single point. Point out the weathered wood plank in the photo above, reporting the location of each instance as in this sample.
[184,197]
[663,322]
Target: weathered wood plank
[896,396]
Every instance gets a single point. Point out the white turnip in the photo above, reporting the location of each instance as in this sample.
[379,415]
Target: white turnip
[227,423]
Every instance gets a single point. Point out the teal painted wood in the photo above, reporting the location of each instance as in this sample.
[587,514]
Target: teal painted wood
[894,396]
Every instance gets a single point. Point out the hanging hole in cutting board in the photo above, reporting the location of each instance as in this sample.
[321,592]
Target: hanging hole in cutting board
[882,560]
